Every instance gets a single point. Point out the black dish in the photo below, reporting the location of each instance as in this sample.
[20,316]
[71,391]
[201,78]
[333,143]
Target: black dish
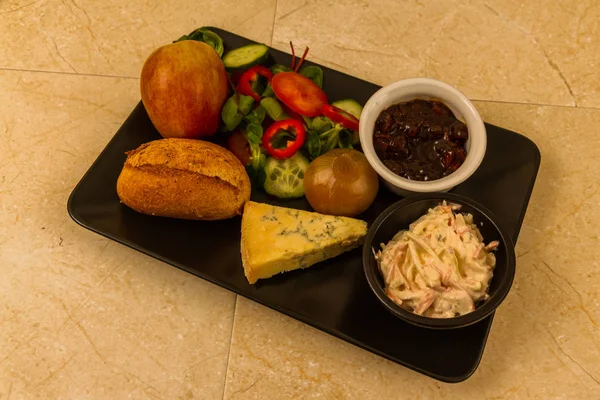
[400,215]
[333,296]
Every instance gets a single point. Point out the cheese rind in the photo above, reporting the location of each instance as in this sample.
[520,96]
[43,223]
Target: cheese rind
[277,239]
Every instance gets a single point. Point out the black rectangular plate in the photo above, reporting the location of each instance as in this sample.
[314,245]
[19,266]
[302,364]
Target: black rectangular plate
[332,296]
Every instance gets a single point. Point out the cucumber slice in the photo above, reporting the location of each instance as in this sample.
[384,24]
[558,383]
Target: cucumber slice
[246,56]
[350,106]
[285,178]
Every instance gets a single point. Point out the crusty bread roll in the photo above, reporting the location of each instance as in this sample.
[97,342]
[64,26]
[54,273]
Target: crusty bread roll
[184,178]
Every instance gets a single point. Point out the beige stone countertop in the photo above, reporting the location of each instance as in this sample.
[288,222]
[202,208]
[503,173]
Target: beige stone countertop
[83,317]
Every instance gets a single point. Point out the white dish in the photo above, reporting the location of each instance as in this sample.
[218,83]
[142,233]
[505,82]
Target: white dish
[426,89]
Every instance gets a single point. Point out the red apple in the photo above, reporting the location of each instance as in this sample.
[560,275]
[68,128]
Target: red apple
[184,86]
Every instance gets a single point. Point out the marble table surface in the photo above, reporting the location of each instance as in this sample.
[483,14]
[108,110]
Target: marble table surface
[82,317]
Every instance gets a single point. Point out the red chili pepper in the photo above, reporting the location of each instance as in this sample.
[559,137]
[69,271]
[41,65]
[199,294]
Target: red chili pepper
[249,77]
[340,116]
[288,125]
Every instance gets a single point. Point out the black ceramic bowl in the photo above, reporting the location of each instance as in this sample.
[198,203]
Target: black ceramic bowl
[400,215]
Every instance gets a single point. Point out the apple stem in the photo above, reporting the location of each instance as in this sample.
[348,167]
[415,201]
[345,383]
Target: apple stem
[293,55]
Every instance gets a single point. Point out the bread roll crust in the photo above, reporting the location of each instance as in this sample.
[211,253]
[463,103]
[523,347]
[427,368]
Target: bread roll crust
[184,178]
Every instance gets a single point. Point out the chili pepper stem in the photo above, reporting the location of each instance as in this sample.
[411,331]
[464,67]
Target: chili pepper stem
[301,60]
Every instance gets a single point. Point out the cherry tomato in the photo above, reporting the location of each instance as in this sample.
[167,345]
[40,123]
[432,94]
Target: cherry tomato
[299,93]
[239,146]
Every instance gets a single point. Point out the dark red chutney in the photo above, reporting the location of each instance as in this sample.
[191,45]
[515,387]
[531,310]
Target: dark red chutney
[420,140]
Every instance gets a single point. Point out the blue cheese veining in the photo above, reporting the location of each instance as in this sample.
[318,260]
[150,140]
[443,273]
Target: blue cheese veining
[278,239]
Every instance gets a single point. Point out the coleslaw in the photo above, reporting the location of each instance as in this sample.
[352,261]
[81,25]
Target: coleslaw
[439,267]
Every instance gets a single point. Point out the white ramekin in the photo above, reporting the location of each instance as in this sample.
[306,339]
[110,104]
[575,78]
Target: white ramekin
[427,89]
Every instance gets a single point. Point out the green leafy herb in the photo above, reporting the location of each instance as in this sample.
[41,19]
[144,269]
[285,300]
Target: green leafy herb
[345,139]
[234,110]
[244,103]
[207,36]
[307,121]
[277,68]
[254,133]
[313,73]
[313,144]
[268,92]
[321,124]
[274,109]
[230,115]
[329,140]
[256,116]
[256,167]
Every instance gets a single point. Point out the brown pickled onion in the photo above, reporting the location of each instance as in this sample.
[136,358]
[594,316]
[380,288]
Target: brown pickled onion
[340,182]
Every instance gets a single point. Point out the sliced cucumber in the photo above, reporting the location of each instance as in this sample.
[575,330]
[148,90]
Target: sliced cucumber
[285,178]
[350,106]
[246,56]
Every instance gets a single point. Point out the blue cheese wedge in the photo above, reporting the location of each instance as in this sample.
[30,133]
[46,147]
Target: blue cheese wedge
[278,239]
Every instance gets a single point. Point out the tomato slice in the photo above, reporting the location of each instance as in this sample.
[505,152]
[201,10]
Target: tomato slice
[340,116]
[239,146]
[299,93]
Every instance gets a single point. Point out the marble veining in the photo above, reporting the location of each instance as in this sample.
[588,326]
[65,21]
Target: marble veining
[85,317]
